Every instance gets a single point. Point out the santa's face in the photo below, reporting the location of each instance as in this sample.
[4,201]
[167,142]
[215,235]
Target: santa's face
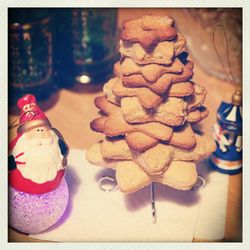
[40,136]
[41,158]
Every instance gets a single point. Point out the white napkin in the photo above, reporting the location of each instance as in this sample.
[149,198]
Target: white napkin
[96,216]
[213,206]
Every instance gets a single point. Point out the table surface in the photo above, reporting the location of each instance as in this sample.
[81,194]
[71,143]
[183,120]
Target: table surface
[71,110]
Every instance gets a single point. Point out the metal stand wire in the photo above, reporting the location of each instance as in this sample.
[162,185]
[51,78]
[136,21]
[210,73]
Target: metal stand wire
[152,194]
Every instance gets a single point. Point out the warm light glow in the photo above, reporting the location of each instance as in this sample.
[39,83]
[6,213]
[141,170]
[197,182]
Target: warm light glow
[83,79]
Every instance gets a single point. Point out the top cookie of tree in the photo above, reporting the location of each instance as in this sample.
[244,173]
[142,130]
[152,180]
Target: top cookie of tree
[148,30]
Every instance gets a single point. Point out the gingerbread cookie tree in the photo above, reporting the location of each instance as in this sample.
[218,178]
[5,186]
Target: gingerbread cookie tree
[148,110]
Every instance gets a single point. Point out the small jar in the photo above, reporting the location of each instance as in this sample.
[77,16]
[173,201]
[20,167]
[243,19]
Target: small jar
[30,53]
[86,45]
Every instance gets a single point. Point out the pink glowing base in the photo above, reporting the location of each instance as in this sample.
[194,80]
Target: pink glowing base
[31,213]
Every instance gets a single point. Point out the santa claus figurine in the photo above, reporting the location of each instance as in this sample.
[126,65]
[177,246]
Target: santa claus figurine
[38,193]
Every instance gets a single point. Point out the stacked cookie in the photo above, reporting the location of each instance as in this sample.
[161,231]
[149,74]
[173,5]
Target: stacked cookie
[148,110]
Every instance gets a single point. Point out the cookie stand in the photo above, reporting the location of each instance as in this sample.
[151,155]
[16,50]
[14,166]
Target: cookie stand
[109,184]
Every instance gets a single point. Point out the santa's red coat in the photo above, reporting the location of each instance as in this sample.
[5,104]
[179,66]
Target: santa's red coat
[17,181]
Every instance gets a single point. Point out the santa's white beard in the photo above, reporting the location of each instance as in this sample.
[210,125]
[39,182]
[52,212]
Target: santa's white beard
[42,157]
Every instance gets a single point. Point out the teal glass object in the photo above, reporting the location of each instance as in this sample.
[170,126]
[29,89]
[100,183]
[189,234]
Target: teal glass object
[86,44]
[30,62]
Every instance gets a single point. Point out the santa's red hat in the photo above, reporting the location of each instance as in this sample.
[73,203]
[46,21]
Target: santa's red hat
[31,115]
